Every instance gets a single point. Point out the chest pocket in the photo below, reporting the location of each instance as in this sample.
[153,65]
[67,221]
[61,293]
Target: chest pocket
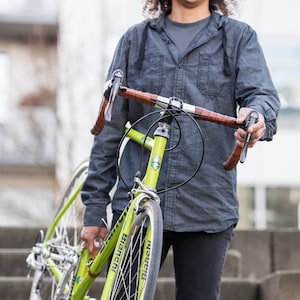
[211,79]
[150,77]
[155,73]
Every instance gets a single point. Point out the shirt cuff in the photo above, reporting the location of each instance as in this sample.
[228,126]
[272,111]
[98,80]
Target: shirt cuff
[95,215]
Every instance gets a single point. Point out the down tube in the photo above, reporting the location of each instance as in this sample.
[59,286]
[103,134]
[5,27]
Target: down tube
[119,250]
[102,257]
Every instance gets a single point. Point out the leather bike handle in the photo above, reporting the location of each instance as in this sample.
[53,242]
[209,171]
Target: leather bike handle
[158,101]
[233,159]
[100,120]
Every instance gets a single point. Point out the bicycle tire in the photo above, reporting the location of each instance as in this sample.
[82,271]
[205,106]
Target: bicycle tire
[62,238]
[128,277]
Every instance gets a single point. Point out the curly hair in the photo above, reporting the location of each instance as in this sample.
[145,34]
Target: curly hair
[156,7]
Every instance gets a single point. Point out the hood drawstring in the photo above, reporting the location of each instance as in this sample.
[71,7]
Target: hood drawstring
[139,62]
[227,67]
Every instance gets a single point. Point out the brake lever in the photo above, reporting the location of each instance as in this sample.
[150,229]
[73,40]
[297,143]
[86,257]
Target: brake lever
[116,81]
[251,119]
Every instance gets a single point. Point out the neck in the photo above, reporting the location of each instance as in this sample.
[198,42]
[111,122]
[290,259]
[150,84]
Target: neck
[189,13]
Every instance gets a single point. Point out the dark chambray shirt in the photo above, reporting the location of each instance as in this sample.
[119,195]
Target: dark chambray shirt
[222,68]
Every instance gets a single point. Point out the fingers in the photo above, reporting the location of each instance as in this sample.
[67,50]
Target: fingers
[89,234]
[107,85]
[103,232]
[257,130]
[240,135]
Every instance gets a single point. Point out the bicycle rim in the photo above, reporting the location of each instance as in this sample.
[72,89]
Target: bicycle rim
[134,281]
[62,239]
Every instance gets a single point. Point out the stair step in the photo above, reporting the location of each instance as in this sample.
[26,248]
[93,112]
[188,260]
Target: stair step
[15,288]
[18,237]
[239,289]
[281,285]
[13,262]
[18,288]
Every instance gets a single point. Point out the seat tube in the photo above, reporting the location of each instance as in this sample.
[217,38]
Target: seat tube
[161,136]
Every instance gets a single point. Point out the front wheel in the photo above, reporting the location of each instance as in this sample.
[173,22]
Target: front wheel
[139,266]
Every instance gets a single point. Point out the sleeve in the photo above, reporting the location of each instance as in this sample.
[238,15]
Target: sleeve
[254,86]
[102,173]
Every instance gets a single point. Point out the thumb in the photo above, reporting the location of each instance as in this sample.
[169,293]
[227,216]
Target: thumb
[89,244]
[88,235]
[242,115]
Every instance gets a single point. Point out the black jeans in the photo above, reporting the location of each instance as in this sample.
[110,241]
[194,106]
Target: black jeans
[199,259]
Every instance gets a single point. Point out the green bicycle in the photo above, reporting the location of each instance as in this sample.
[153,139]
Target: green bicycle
[63,268]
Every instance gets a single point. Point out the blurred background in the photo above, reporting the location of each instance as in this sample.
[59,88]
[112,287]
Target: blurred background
[53,58]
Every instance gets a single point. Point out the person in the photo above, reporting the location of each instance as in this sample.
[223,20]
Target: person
[193,50]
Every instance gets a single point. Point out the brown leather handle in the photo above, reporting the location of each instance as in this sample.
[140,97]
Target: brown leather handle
[147,98]
[200,113]
[208,115]
[233,159]
[101,119]
[143,97]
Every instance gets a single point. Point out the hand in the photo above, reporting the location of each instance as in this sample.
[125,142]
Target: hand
[90,233]
[257,129]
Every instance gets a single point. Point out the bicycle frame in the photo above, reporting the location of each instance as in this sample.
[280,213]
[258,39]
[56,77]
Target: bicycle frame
[87,272]
[82,274]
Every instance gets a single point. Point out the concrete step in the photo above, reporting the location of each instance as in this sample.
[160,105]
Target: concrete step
[251,272]
[18,288]
[15,288]
[18,237]
[273,250]
[281,285]
[13,263]
[239,289]
[231,289]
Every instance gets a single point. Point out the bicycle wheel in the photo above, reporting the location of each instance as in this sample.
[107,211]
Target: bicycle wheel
[135,280]
[56,258]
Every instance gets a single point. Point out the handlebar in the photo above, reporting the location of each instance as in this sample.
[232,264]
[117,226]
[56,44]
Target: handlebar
[238,153]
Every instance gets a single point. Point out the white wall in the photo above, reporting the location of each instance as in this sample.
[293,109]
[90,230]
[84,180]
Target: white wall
[272,17]
[89,31]
[275,163]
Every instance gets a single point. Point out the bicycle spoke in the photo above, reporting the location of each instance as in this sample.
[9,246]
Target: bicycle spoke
[58,254]
[127,285]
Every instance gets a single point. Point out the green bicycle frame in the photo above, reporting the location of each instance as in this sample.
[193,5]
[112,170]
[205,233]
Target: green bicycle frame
[120,231]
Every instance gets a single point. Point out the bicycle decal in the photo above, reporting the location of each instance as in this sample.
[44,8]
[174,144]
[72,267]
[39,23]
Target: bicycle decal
[116,260]
[156,162]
